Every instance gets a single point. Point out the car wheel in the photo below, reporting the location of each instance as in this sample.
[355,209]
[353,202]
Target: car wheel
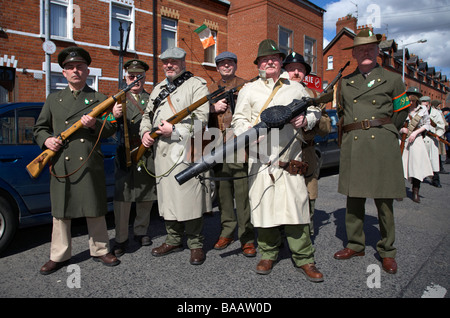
[8,224]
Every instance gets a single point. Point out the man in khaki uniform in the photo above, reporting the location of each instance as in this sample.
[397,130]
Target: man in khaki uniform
[83,193]
[220,117]
[180,206]
[374,106]
[278,194]
[297,68]
[133,182]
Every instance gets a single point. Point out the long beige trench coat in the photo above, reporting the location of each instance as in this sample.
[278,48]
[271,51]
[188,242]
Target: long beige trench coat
[177,202]
[285,200]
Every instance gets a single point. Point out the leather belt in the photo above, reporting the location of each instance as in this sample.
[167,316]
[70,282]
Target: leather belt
[294,167]
[366,124]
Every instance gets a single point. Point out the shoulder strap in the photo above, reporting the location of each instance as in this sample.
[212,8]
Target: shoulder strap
[274,91]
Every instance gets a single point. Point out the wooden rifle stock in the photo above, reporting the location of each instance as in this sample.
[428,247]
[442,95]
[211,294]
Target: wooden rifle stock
[402,143]
[429,133]
[35,167]
[219,94]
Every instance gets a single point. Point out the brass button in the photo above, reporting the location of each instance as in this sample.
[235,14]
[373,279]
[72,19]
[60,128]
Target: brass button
[374,102]
[379,80]
[66,122]
[355,119]
[373,117]
[352,82]
[356,138]
[67,158]
[81,158]
[373,137]
[82,140]
[355,101]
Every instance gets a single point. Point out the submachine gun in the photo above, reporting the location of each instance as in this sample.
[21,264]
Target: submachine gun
[273,117]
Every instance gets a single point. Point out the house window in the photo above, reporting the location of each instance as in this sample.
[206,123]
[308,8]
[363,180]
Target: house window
[285,40]
[330,62]
[210,52]
[310,53]
[168,33]
[121,15]
[61,19]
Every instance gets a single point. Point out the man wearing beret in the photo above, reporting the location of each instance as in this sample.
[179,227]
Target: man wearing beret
[298,69]
[75,193]
[220,117]
[181,206]
[374,106]
[277,193]
[133,182]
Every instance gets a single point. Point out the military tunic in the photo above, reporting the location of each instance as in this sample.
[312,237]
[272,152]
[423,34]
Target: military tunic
[82,194]
[135,184]
[370,159]
[177,202]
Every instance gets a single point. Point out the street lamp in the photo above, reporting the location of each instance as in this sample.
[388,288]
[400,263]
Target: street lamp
[403,61]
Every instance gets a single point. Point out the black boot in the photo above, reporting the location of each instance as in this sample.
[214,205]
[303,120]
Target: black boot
[436,181]
[415,195]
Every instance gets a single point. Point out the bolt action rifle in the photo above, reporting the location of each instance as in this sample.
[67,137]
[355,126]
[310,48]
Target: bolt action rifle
[35,167]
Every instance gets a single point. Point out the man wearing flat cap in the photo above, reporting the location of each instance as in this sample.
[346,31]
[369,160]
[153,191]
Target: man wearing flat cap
[437,126]
[133,181]
[298,69]
[373,104]
[277,193]
[77,183]
[220,117]
[182,206]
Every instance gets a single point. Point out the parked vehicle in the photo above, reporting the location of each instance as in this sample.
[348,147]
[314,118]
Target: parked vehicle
[327,148]
[25,201]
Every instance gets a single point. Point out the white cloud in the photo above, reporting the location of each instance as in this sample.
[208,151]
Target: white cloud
[405,21]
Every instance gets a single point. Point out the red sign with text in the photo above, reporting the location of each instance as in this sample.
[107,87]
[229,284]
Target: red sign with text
[313,82]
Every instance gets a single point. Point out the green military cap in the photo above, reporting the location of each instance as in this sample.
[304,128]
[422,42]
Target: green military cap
[268,47]
[414,91]
[297,58]
[366,36]
[73,54]
[136,66]
[173,53]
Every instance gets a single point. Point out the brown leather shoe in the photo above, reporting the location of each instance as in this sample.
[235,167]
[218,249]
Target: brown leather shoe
[222,243]
[197,256]
[347,253]
[311,272]
[120,248]
[165,249]
[51,267]
[108,259]
[264,266]
[390,265]
[249,250]
[415,196]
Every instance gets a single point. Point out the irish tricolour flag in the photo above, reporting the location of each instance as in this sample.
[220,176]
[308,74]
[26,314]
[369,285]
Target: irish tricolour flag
[205,35]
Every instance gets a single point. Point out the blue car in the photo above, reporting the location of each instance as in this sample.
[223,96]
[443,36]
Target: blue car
[25,201]
[327,148]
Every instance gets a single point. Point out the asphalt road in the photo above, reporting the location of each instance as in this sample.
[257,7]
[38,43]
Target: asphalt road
[422,240]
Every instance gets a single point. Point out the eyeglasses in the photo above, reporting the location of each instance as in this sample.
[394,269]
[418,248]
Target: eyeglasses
[132,77]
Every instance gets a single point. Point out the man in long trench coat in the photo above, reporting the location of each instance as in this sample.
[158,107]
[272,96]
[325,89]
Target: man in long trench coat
[83,193]
[374,106]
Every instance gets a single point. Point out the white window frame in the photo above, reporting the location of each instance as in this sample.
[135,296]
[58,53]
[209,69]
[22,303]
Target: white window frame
[310,57]
[212,51]
[118,16]
[69,23]
[330,62]
[286,48]
[166,27]
[56,72]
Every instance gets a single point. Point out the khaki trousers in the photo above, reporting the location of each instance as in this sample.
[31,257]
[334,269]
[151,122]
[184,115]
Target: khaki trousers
[122,218]
[192,228]
[354,224]
[61,245]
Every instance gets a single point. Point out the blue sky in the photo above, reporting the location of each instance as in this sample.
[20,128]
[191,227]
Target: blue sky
[405,21]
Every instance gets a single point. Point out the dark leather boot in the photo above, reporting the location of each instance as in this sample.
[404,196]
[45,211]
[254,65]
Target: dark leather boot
[415,196]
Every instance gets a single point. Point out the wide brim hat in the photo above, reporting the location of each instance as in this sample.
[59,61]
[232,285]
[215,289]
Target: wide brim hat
[136,66]
[297,58]
[268,47]
[73,54]
[366,36]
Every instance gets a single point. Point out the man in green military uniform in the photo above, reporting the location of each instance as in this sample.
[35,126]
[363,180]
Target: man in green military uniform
[133,181]
[75,193]
[374,106]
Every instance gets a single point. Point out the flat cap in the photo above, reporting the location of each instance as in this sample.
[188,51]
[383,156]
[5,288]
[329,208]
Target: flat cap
[425,99]
[136,66]
[73,54]
[435,102]
[226,56]
[173,53]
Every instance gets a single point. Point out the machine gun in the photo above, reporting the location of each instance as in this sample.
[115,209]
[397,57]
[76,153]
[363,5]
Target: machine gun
[273,117]
[35,167]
